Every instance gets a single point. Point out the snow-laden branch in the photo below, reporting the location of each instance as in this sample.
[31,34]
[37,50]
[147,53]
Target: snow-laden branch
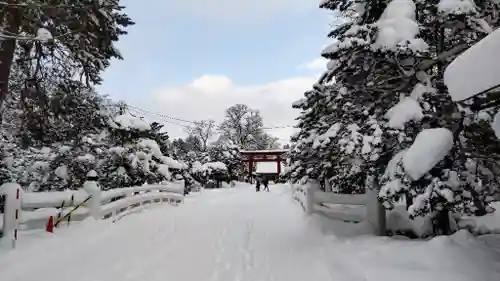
[43,35]
[50,6]
[427,64]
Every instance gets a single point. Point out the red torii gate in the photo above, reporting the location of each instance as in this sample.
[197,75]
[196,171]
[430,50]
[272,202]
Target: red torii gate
[254,156]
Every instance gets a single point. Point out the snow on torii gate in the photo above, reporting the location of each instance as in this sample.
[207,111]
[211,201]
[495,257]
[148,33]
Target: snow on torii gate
[255,156]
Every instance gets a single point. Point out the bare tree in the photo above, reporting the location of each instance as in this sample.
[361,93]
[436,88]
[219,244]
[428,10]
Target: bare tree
[244,127]
[203,130]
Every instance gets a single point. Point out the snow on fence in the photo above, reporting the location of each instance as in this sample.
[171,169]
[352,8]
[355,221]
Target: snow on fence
[32,210]
[345,207]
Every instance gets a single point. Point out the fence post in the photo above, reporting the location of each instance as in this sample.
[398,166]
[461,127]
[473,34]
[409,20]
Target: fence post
[375,212]
[328,186]
[292,189]
[311,187]
[92,188]
[182,184]
[12,211]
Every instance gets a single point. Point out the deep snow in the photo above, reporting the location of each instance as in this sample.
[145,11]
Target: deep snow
[238,234]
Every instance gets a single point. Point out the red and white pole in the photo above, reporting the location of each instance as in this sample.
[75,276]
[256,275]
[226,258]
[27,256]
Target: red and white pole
[12,211]
[16,224]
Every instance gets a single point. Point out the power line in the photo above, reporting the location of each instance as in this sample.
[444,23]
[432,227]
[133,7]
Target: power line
[159,114]
[145,111]
[278,127]
[54,6]
[162,119]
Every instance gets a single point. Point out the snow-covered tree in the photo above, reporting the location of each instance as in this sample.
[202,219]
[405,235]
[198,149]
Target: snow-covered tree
[65,115]
[459,180]
[126,151]
[202,131]
[56,41]
[244,127]
[361,122]
[226,152]
[189,149]
[341,136]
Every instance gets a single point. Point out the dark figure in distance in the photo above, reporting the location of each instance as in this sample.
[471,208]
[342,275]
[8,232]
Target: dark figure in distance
[257,186]
[265,182]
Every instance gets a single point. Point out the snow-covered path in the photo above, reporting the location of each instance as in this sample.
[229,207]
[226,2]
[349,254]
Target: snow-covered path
[222,235]
[232,235]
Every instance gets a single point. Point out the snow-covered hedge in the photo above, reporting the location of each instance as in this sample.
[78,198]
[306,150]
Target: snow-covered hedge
[127,153]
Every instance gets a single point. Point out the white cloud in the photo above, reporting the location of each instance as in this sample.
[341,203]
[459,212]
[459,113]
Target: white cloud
[241,9]
[317,64]
[209,95]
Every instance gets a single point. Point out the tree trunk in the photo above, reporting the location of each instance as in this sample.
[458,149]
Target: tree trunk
[442,222]
[409,200]
[11,21]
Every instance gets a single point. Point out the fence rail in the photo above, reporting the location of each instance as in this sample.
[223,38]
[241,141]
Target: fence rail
[345,207]
[26,211]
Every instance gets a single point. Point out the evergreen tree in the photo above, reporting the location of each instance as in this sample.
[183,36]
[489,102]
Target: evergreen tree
[383,86]
[60,40]
[224,151]
[67,114]
[341,136]
[123,149]
[460,181]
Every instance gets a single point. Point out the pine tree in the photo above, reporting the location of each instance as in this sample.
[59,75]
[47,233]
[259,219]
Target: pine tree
[460,181]
[383,87]
[67,114]
[85,29]
[224,151]
[123,149]
[341,136]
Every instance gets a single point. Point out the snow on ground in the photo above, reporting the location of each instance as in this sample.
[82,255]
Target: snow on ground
[239,234]
[486,224]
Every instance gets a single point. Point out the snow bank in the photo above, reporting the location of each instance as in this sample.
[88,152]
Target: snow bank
[459,257]
[430,147]
[487,224]
[284,245]
[399,222]
[475,70]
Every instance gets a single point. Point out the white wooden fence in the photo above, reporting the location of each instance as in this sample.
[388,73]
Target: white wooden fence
[25,211]
[345,207]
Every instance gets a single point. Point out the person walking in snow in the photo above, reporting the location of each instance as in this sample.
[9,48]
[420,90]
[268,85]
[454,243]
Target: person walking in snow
[265,182]
[257,181]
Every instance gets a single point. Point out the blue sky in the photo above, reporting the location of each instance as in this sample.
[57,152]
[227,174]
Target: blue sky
[194,58]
